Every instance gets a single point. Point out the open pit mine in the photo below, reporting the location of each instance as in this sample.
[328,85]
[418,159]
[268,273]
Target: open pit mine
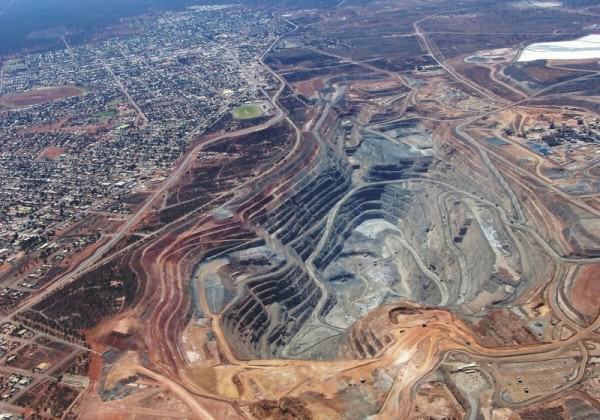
[403,223]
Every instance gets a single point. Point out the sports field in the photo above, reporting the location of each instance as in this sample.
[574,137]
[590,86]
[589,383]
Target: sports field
[38,96]
[248,112]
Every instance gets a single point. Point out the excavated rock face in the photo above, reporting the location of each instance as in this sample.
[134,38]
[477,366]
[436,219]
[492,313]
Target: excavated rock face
[410,230]
[349,232]
[283,409]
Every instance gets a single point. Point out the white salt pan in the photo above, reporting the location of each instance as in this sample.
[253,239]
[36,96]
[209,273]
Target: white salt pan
[587,47]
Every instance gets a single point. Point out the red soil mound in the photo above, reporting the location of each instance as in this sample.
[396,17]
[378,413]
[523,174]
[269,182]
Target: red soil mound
[585,295]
